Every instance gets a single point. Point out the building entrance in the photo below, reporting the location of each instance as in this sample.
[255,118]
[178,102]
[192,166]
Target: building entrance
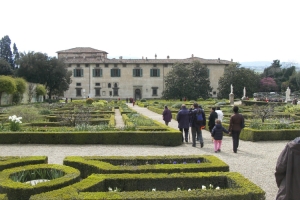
[137,94]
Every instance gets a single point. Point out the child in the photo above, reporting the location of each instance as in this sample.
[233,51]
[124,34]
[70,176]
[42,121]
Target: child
[217,134]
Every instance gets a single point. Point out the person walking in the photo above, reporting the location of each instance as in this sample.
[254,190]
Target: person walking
[220,114]
[197,120]
[167,115]
[183,122]
[287,172]
[212,118]
[236,124]
[217,134]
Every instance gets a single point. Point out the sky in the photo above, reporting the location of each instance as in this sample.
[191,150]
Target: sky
[245,31]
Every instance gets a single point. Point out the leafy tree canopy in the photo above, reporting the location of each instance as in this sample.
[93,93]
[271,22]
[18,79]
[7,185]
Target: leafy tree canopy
[6,53]
[239,78]
[49,71]
[7,85]
[268,84]
[5,68]
[190,81]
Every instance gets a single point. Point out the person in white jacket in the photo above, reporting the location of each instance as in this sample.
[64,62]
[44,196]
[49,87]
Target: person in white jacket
[220,114]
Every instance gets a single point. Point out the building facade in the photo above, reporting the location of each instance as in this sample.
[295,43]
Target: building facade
[96,76]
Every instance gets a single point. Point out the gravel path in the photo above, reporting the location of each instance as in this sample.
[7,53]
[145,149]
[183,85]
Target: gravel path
[255,160]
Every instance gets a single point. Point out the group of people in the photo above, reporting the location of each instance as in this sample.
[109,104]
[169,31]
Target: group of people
[195,119]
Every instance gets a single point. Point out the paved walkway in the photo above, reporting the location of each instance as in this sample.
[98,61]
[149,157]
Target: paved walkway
[256,161]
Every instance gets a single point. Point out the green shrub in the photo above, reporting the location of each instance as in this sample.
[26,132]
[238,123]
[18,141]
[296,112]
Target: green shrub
[143,100]
[89,101]
[28,113]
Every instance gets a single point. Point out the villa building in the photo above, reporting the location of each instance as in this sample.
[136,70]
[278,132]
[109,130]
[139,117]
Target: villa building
[96,76]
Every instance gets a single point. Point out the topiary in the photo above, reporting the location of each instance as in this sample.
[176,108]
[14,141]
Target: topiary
[89,101]
[143,100]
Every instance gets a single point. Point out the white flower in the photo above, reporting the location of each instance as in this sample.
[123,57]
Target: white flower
[153,190]
[116,189]
[178,189]
[110,189]
[211,186]
[203,187]
[217,188]
[189,189]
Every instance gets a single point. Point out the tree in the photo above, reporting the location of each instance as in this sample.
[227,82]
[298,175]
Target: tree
[5,68]
[5,51]
[190,81]
[16,55]
[268,84]
[49,71]
[20,89]
[7,85]
[263,112]
[239,78]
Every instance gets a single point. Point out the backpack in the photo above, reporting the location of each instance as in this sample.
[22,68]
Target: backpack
[199,116]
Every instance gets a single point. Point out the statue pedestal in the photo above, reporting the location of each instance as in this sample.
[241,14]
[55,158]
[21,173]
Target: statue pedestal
[231,99]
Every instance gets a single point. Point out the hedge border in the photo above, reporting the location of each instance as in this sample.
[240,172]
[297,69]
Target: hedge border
[15,161]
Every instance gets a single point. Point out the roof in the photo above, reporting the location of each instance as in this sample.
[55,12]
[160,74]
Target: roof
[82,50]
[90,60]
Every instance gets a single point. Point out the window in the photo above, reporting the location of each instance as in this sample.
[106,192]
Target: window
[97,72]
[97,91]
[110,93]
[124,65]
[115,72]
[115,65]
[106,65]
[78,65]
[97,65]
[115,92]
[214,92]
[137,72]
[87,65]
[97,84]
[165,65]
[103,93]
[78,84]
[154,65]
[154,73]
[78,92]
[78,73]
[154,91]
[137,65]
[70,65]
[109,85]
[208,72]
[115,85]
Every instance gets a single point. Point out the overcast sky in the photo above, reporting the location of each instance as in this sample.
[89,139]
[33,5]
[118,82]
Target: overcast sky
[242,30]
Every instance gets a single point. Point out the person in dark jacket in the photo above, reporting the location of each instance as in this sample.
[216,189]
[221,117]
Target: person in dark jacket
[167,115]
[196,125]
[212,118]
[183,121]
[217,134]
[287,172]
[235,127]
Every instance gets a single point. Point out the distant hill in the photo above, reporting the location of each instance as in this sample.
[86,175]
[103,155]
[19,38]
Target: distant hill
[259,66]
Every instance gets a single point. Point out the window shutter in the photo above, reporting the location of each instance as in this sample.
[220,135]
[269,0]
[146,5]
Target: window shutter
[134,72]
[93,72]
[151,72]
[74,72]
[141,72]
[111,72]
[158,72]
[119,73]
[81,72]
[100,72]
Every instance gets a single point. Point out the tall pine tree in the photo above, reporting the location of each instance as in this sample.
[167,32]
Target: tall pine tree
[16,55]
[5,51]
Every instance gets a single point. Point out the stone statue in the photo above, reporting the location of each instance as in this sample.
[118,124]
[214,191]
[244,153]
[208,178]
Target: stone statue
[231,89]
[287,95]
[244,91]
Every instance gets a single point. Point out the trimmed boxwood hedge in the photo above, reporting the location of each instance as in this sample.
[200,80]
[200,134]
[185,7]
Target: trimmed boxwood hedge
[144,164]
[171,137]
[22,191]
[16,161]
[139,186]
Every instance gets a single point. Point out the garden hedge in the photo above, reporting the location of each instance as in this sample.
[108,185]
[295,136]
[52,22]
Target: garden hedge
[16,161]
[145,164]
[232,185]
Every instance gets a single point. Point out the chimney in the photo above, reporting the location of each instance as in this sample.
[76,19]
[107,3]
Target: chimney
[231,60]
[143,57]
[192,55]
[146,59]
[120,57]
[219,59]
[155,56]
[168,57]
